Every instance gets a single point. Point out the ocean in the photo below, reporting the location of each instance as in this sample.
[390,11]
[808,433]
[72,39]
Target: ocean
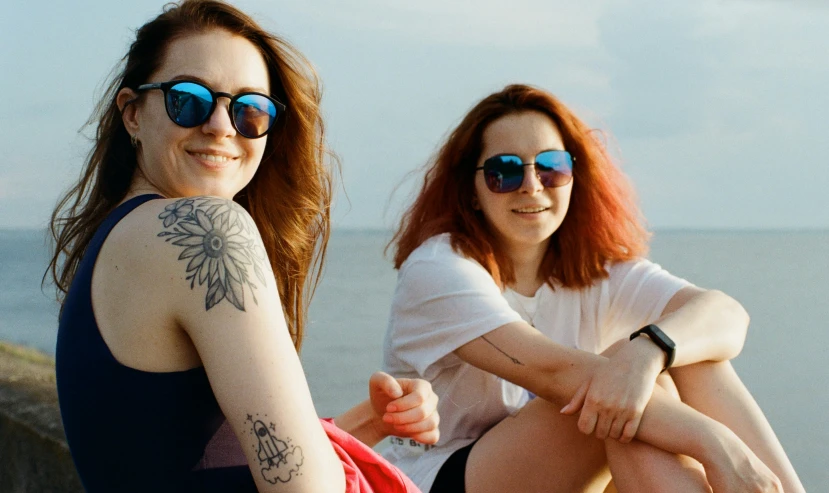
[782,278]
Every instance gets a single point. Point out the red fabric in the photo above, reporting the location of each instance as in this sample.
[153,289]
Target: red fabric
[365,470]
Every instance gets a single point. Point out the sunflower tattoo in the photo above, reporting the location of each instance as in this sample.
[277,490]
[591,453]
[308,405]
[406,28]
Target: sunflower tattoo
[219,240]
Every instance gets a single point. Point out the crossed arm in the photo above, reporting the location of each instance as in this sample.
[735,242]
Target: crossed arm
[564,376]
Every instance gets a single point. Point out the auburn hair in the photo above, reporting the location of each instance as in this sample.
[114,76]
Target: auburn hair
[289,197]
[603,223]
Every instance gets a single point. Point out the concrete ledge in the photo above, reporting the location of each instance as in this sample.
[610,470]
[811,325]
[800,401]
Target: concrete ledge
[33,451]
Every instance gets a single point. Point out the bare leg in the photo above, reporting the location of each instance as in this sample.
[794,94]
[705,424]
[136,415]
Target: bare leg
[639,467]
[541,450]
[714,389]
[537,450]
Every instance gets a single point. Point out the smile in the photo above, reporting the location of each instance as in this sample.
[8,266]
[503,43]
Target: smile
[531,210]
[213,158]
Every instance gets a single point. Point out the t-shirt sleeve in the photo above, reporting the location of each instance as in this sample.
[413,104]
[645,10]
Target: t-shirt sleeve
[638,292]
[440,304]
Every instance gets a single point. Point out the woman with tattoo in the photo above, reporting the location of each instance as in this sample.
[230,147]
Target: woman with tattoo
[185,256]
[521,266]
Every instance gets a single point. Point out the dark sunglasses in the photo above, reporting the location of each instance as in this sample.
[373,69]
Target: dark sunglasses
[190,104]
[505,172]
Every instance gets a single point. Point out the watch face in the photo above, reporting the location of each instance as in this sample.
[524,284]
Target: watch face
[655,331]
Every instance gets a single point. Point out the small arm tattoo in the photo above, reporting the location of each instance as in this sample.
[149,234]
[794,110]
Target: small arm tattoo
[513,359]
[279,460]
[221,246]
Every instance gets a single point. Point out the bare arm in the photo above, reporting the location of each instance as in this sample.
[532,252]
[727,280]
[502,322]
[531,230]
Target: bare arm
[704,325]
[223,295]
[522,355]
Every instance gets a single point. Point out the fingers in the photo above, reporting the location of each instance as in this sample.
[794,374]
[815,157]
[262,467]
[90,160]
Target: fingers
[415,392]
[617,428]
[587,420]
[630,429]
[386,384]
[577,401]
[414,414]
[608,422]
[426,428]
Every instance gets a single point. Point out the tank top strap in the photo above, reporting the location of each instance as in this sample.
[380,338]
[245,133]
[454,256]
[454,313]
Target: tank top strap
[114,218]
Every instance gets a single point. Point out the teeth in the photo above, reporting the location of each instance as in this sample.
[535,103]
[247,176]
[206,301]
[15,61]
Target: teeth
[531,209]
[212,158]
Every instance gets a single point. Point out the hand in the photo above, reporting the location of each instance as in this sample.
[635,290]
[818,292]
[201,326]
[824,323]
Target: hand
[613,399]
[404,407]
[733,467]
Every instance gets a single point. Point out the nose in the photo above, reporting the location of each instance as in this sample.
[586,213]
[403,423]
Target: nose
[532,183]
[219,124]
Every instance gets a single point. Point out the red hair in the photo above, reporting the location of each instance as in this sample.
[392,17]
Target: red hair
[289,197]
[603,223]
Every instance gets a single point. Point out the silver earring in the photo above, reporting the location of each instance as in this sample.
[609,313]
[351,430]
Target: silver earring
[134,141]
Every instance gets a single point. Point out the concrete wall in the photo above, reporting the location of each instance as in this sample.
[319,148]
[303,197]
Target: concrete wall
[33,452]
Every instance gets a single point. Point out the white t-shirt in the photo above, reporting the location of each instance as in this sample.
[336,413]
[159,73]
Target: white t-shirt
[444,300]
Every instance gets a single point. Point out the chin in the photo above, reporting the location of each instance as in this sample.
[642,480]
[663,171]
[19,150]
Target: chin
[212,190]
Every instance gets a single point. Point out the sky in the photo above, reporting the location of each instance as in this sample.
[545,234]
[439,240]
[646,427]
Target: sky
[716,109]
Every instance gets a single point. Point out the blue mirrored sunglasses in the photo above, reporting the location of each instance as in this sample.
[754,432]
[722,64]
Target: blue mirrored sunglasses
[190,104]
[505,172]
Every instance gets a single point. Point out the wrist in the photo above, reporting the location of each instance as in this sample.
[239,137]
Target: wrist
[714,444]
[652,357]
[363,423]
[660,340]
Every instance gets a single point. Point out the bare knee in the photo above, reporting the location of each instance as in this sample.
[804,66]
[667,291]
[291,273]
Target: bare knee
[640,467]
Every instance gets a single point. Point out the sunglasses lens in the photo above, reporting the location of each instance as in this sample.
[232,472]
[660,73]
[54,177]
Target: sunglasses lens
[554,168]
[189,104]
[253,115]
[503,173]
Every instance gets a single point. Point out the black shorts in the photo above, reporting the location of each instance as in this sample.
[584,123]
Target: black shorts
[450,478]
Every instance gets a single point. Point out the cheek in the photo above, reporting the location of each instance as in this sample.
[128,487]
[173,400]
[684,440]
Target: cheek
[255,150]
[493,208]
[562,197]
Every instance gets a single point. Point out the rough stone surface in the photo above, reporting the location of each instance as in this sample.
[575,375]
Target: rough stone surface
[33,451]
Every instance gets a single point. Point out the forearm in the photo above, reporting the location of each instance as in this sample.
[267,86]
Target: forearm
[709,326]
[520,354]
[361,422]
[675,427]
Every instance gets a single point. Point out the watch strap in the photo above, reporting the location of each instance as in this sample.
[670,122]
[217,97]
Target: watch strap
[661,339]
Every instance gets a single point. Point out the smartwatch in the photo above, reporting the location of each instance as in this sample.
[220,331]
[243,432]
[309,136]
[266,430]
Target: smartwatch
[659,338]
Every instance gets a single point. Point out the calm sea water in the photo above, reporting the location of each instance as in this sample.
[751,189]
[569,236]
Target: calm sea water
[782,278]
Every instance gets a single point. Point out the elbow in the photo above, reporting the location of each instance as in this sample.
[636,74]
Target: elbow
[735,324]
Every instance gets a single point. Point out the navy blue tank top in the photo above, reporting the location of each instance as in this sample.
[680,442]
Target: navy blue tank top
[132,430]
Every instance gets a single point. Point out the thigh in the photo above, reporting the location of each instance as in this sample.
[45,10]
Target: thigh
[537,450]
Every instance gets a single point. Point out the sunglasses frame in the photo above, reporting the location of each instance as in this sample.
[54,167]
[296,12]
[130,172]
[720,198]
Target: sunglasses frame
[166,86]
[523,165]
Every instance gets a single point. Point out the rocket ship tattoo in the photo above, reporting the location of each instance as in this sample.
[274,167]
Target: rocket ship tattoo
[280,461]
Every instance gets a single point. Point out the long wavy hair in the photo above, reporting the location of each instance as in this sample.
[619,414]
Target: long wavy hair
[289,197]
[603,223]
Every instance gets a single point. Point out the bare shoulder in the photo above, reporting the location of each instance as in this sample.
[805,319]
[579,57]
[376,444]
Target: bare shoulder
[221,246]
[209,246]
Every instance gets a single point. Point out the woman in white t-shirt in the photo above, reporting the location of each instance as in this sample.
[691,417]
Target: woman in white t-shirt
[522,273]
